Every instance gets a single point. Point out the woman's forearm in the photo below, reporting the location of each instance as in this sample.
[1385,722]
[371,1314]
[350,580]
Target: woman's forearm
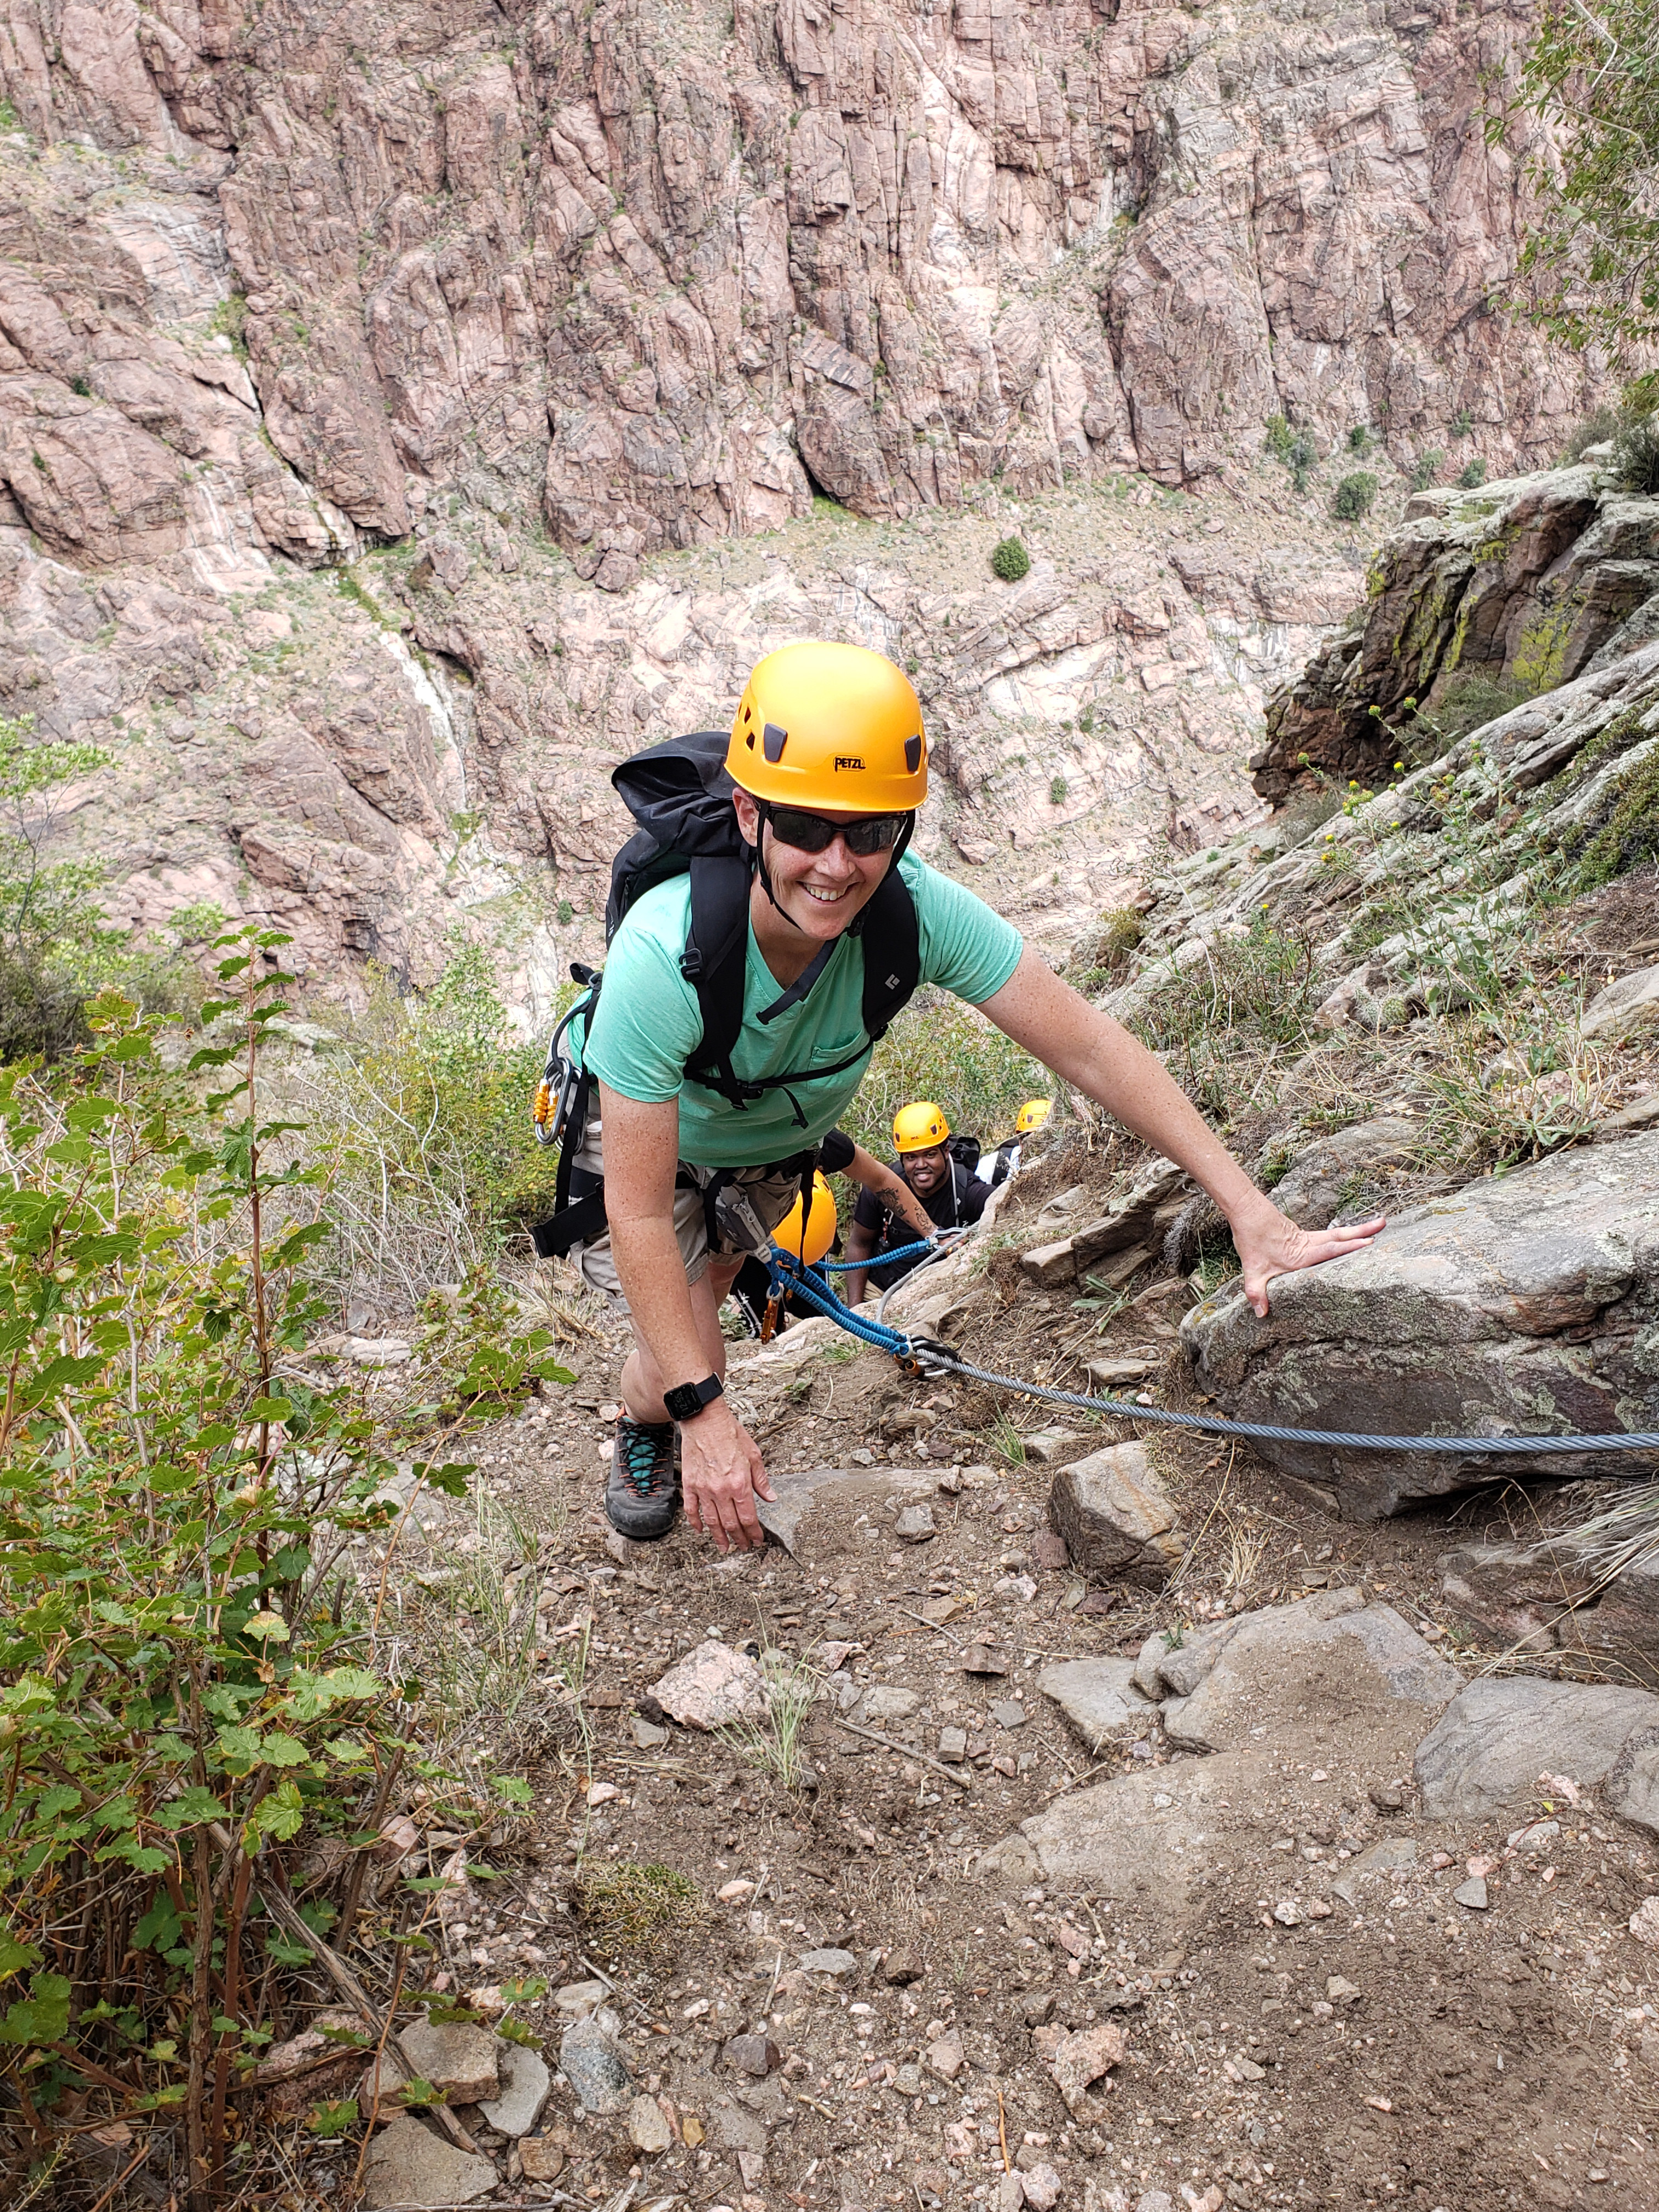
[1097,1057]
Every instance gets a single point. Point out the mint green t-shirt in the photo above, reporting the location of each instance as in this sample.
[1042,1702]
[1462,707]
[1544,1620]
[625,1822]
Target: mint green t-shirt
[648,1022]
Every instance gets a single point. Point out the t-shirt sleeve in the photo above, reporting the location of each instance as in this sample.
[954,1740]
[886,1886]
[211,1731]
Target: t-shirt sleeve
[648,1022]
[870,1212]
[966,946]
[835,1152]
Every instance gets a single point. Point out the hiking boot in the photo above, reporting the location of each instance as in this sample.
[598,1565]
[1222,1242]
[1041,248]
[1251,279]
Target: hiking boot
[642,1491]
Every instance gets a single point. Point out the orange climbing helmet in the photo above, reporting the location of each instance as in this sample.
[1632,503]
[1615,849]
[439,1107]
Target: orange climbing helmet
[1032,1115]
[918,1127]
[834,726]
[820,1232]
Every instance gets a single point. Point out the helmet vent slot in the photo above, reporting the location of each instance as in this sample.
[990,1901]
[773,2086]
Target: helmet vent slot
[773,740]
[912,755]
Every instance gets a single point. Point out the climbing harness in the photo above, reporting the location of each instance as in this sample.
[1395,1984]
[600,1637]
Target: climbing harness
[924,1356]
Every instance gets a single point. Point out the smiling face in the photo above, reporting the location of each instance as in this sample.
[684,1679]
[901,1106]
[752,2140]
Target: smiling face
[821,893]
[924,1171]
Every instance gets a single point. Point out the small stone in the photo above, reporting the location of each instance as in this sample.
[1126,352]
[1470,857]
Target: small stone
[1644,1923]
[1288,1913]
[580,1998]
[889,1703]
[647,2129]
[945,2057]
[984,1659]
[902,1966]
[1340,1990]
[832,1962]
[953,1743]
[1472,1893]
[753,2054]
[542,2157]
[1080,2059]
[1387,1796]
[751,2165]
[1048,1447]
[646,1734]
[456,2057]
[592,2069]
[1113,1374]
[1009,1713]
[1036,2007]
[1021,1588]
[1049,1551]
[1011,2192]
[915,1525]
[908,2081]
[1117,1517]
[525,2083]
[1244,2069]
[407,2165]
[1041,2184]
[713,1687]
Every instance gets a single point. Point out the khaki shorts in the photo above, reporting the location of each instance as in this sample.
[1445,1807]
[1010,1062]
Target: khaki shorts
[770,1191]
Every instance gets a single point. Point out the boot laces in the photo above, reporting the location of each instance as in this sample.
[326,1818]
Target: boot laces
[646,1452]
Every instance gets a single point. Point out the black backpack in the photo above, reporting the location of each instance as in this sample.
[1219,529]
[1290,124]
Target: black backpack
[681,796]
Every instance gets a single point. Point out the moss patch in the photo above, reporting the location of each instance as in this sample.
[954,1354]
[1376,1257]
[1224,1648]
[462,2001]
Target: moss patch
[1630,832]
[641,1909]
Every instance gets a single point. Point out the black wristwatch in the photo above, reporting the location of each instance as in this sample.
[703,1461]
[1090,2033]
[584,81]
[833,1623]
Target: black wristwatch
[687,1400]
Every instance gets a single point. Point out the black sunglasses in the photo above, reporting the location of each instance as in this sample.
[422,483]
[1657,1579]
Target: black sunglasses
[815,833]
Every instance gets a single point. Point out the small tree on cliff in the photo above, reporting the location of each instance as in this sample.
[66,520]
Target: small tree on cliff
[1592,254]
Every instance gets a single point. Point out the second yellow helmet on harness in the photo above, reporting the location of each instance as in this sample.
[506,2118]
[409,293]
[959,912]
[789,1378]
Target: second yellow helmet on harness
[834,726]
[918,1127]
[820,1231]
[1032,1115]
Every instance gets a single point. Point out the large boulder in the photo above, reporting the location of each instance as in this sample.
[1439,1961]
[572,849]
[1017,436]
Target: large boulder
[1523,1303]
[1268,1677]
[1500,1741]
[1554,1595]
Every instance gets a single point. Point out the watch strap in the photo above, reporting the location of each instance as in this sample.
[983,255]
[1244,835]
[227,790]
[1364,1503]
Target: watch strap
[687,1400]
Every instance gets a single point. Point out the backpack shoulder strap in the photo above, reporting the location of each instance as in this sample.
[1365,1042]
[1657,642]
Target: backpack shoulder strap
[715,962]
[892,953]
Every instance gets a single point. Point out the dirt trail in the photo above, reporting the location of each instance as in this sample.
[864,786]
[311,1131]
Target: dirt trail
[1310,2016]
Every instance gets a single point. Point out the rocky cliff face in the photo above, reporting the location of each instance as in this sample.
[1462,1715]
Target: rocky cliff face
[1532,582]
[498,304]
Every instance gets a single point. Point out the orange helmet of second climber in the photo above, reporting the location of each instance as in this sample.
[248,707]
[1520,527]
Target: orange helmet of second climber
[1032,1115]
[834,726]
[918,1127]
[820,1231]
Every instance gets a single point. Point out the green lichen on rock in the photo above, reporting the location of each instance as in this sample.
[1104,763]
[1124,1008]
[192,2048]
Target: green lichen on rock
[1540,651]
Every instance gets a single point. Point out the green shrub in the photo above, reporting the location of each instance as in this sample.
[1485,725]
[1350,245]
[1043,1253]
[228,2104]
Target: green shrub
[1635,461]
[1250,997]
[1101,955]
[1461,424]
[1010,561]
[1472,477]
[189,1701]
[1595,430]
[1278,438]
[1058,788]
[940,1049]
[1355,496]
[428,1114]
[1360,440]
[1426,468]
[1630,832]
[1470,698]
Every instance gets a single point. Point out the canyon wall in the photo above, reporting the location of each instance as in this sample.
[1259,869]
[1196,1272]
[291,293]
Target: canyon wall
[467,313]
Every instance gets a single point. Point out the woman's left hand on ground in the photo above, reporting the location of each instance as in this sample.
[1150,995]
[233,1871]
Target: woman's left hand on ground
[1269,1244]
